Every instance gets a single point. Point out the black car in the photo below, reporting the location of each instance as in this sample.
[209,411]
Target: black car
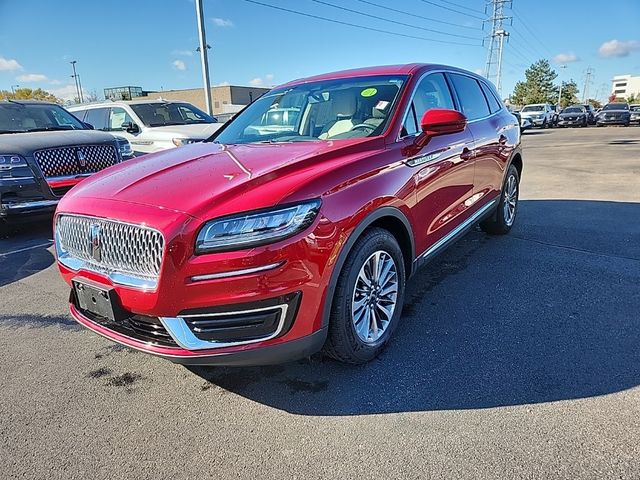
[573,116]
[44,151]
[614,114]
[591,113]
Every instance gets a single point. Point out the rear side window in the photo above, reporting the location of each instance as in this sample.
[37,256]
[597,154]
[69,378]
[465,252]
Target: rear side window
[494,104]
[472,100]
[98,117]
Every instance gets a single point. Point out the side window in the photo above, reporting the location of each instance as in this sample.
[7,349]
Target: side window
[472,100]
[432,92]
[494,104]
[79,114]
[410,125]
[118,116]
[98,117]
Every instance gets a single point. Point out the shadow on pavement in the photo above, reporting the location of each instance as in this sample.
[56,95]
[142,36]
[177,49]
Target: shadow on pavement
[547,313]
[24,251]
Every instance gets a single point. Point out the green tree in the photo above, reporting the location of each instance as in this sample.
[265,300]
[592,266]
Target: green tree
[633,98]
[538,85]
[569,94]
[595,103]
[29,94]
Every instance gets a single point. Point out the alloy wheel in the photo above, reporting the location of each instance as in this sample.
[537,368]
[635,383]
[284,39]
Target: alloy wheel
[510,200]
[375,296]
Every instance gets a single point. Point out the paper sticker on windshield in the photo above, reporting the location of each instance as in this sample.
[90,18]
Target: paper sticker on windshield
[369,92]
[381,105]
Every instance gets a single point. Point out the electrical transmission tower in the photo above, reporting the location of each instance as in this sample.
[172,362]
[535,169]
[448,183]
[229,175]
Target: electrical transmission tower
[587,82]
[493,69]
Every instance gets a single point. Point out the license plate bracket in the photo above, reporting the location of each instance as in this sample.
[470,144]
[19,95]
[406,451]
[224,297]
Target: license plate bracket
[98,300]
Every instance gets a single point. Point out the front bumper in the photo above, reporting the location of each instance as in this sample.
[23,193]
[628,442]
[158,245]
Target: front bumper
[613,121]
[568,123]
[220,284]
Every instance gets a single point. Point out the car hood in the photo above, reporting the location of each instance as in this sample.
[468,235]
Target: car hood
[26,143]
[198,178]
[197,131]
[530,114]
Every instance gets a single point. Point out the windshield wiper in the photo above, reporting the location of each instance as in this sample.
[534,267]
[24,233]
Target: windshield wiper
[12,131]
[47,129]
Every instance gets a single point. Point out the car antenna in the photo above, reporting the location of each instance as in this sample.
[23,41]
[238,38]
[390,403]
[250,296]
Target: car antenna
[15,101]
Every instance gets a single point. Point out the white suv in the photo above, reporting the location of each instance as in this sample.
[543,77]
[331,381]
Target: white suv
[149,125]
[540,114]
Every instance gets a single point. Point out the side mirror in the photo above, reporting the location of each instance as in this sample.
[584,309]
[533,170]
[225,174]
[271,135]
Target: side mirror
[88,126]
[130,127]
[440,121]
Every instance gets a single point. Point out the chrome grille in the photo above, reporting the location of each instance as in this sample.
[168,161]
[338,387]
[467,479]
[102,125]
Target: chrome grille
[123,248]
[66,161]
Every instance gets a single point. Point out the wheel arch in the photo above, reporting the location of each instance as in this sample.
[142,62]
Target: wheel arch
[391,219]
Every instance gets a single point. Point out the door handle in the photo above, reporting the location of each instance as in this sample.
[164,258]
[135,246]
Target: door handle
[502,139]
[467,154]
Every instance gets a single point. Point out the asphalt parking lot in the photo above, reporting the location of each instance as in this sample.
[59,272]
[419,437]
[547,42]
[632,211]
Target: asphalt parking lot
[517,357]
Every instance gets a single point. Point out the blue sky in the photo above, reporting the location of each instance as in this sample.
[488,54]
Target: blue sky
[152,43]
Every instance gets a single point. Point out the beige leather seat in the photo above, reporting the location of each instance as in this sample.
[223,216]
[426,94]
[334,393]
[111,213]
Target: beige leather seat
[343,106]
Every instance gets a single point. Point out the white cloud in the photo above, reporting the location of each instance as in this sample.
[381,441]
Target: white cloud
[222,84]
[179,65]
[55,82]
[9,65]
[31,77]
[182,53]
[222,22]
[262,82]
[565,58]
[68,92]
[617,48]
[479,71]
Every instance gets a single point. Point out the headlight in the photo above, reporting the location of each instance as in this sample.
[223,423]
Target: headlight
[126,152]
[178,142]
[258,228]
[14,167]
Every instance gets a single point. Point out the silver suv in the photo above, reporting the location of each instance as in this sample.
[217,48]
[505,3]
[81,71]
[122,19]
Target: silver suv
[540,114]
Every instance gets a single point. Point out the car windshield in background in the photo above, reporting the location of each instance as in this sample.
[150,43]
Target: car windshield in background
[533,108]
[163,113]
[616,106]
[573,110]
[635,108]
[327,110]
[17,117]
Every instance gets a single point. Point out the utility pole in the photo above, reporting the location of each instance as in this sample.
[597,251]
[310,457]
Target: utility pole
[80,88]
[13,88]
[560,92]
[496,39]
[75,79]
[587,81]
[204,56]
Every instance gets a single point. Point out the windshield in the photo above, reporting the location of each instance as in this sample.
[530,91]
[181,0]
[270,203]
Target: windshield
[635,108]
[572,110]
[164,113]
[327,110]
[533,108]
[616,106]
[17,117]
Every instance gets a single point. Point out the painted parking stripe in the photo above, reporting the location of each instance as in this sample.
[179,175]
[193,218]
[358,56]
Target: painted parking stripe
[48,244]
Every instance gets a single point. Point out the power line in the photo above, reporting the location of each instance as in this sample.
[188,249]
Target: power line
[461,6]
[537,37]
[526,46]
[393,21]
[417,16]
[362,27]
[452,10]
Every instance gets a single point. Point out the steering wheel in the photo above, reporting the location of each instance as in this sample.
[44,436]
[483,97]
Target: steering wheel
[362,126]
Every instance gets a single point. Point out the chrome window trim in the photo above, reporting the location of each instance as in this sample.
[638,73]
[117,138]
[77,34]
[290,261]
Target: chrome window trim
[236,273]
[126,280]
[425,74]
[444,240]
[185,338]
[34,204]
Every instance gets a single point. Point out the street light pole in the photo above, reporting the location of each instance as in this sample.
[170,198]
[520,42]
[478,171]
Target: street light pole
[75,78]
[13,88]
[204,56]
[80,88]
[560,92]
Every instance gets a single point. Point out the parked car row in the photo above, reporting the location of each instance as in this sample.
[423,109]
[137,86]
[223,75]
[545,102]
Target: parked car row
[544,115]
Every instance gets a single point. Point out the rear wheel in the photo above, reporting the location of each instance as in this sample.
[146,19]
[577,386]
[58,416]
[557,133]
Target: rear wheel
[504,217]
[368,298]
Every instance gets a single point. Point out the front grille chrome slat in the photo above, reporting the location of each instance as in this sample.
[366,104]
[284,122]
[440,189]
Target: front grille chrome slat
[124,249]
[70,161]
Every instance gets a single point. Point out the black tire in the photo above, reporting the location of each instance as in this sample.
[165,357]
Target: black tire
[4,228]
[343,342]
[497,224]
[544,124]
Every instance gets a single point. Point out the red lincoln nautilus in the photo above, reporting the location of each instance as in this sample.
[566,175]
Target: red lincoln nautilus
[295,227]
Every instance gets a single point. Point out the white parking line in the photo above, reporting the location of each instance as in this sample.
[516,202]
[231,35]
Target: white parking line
[48,244]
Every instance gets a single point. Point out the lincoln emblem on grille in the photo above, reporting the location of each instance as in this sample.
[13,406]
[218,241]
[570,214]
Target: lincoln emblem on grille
[95,244]
[82,160]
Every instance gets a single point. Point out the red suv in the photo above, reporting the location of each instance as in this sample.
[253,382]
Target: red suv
[279,237]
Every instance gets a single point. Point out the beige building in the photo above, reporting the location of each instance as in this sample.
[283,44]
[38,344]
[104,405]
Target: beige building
[226,98]
[624,86]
